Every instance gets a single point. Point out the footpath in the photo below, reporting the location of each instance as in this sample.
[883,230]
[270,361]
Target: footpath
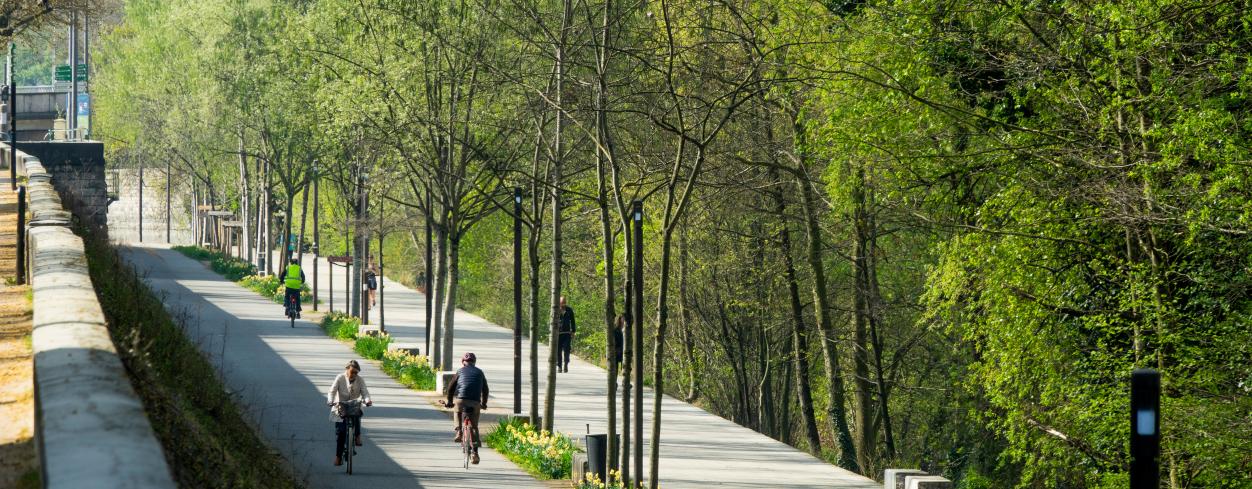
[698,449]
[280,375]
[19,461]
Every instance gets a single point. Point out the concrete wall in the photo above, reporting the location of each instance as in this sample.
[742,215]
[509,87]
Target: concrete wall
[91,429]
[77,171]
[124,212]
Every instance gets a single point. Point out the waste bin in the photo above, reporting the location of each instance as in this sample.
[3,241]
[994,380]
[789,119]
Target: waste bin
[598,451]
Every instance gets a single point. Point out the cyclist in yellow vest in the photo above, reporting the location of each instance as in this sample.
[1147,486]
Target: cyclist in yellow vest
[293,279]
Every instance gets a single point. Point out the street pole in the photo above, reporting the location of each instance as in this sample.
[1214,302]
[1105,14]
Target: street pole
[12,120]
[317,241]
[427,280]
[21,235]
[1145,429]
[517,300]
[637,216]
[169,213]
[141,200]
[71,115]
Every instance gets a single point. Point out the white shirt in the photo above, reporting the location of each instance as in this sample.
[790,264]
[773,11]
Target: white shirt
[343,390]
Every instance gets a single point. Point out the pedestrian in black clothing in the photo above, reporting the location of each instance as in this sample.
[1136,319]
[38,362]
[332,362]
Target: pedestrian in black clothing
[565,336]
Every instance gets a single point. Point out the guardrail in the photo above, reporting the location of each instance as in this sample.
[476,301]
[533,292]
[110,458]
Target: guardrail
[91,429]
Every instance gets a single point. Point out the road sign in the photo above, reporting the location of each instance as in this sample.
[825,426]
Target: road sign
[339,259]
[63,72]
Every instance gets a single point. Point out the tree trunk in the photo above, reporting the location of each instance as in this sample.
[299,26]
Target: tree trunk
[800,341]
[830,353]
[449,304]
[684,312]
[533,251]
[440,282]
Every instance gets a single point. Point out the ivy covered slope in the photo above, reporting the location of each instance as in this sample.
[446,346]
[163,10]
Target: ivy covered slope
[892,233]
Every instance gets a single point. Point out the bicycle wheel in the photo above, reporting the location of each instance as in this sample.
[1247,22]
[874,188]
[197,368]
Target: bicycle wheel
[350,443]
[467,441]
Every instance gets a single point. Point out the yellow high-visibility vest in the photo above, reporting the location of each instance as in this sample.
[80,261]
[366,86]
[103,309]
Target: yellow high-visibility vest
[293,277]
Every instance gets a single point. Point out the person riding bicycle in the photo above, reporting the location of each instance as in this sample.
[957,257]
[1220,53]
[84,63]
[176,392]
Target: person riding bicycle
[347,386]
[469,387]
[293,279]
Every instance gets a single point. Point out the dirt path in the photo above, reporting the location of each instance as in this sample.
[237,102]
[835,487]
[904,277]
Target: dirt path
[18,460]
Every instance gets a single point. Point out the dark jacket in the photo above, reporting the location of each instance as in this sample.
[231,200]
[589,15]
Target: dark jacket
[567,321]
[468,382]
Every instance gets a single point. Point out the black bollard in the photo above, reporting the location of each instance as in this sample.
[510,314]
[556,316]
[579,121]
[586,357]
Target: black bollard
[21,235]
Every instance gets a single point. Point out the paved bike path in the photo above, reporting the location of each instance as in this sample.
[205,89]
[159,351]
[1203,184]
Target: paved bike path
[280,375]
[698,449]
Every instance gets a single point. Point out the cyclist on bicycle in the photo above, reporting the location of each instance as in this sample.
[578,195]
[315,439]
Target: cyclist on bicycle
[469,387]
[293,279]
[347,386]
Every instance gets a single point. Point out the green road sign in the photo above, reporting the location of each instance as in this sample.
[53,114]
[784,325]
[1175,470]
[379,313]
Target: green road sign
[62,72]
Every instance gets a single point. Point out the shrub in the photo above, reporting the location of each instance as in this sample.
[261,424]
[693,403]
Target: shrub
[412,371]
[195,252]
[232,268]
[270,286]
[372,347]
[544,455]
[340,326]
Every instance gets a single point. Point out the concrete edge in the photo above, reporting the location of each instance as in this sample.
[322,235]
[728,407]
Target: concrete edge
[91,429]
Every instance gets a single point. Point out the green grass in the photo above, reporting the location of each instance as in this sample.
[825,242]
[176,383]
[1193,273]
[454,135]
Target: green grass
[207,441]
[542,454]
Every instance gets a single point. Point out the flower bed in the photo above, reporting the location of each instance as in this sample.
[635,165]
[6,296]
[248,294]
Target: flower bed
[233,269]
[542,454]
[270,286]
[592,481]
[411,370]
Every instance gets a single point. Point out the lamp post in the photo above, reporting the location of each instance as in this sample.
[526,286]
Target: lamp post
[517,300]
[316,234]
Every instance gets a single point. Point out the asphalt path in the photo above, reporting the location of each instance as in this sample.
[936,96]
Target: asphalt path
[280,376]
[698,449]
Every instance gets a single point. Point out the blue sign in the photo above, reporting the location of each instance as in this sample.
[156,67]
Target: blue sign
[84,104]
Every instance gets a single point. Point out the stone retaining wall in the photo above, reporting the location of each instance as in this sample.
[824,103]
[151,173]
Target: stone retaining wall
[91,429]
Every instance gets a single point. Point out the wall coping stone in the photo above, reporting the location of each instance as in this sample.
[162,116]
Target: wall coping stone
[91,429]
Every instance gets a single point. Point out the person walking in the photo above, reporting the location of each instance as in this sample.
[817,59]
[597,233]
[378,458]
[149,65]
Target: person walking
[565,336]
[371,282]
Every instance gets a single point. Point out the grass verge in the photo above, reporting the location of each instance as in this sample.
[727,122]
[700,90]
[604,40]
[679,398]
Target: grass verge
[206,439]
[542,454]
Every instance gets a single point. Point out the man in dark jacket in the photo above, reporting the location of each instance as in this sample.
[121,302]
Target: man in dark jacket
[565,336]
[469,387]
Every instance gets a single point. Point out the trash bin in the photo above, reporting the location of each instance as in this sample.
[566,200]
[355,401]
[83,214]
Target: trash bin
[598,451]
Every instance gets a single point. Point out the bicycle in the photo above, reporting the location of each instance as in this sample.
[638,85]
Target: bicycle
[468,434]
[349,411]
[292,310]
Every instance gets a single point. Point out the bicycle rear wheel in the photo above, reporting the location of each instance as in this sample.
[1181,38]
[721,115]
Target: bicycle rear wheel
[467,442]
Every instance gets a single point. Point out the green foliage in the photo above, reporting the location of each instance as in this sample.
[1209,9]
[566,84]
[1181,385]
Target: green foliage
[413,371]
[232,268]
[372,347]
[340,326]
[544,455]
[270,286]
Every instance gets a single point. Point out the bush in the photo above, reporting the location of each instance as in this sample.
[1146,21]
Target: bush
[232,268]
[340,326]
[270,286]
[412,371]
[544,455]
[372,347]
